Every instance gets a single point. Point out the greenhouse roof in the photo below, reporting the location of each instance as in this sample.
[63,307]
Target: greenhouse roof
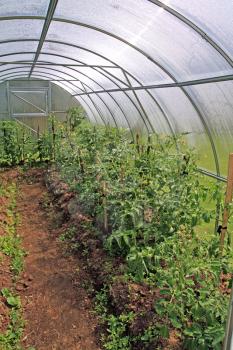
[164,66]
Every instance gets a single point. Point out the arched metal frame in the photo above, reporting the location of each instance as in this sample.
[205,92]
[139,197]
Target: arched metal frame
[53,69]
[210,41]
[48,77]
[194,27]
[86,93]
[57,70]
[98,111]
[119,88]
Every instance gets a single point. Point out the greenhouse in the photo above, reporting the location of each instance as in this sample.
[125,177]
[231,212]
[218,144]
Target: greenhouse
[116,175]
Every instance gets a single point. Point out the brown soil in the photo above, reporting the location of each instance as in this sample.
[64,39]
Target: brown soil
[56,307]
[5,282]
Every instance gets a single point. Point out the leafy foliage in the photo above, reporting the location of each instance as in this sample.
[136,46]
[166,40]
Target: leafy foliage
[19,145]
[152,199]
[10,243]
[147,198]
[11,338]
[187,270]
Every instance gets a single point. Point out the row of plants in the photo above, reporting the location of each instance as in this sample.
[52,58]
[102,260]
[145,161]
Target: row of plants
[12,262]
[21,145]
[146,198]
[193,299]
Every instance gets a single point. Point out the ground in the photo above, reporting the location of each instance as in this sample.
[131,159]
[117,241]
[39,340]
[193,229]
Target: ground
[55,304]
[58,282]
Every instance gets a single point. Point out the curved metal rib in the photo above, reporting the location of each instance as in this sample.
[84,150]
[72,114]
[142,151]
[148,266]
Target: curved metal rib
[47,22]
[52,74]
[57,70]
[86,93]
[48,77]
[197,29]
[114,63]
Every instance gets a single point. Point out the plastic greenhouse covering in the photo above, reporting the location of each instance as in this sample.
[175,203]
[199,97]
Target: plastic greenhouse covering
[162,66]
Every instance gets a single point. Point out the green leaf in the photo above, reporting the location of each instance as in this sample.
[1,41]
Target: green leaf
[13,301]
[164,292]
[164,331]
[176,323]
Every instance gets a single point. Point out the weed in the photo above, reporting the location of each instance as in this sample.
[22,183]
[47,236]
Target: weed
[10,245]
[116,337]
[68,234]
[11,338]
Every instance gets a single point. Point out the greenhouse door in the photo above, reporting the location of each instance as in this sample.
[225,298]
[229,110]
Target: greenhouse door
[28,103]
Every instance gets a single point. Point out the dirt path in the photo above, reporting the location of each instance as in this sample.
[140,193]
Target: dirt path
[55,305]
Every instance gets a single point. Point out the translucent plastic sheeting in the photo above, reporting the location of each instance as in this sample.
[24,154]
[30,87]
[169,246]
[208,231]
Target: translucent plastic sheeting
[96,76]
[61,101]
[34,91]
[57,73]
[92,110]
[138,24]
[10,67]
[117,72]
[90,114]
[213,16]
[115,76]
[71,87]
[131,110]
[66,86]
[185,120]
[73,52]
[203,149]
[215,101]
[12,76]
[115,50]
[179,110]
[23,7]
[72,73]
[105,111]
[18,57]
[117,111]
[117,83]
[55,59]
[156,114]
[15,71]
[147,125]
[9,48]
[20,29]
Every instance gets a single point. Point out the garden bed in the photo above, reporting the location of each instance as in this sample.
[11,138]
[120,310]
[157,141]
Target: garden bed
[127,308]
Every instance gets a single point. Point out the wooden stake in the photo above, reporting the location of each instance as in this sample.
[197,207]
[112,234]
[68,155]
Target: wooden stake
[228,200]
[137,143]
[105,207]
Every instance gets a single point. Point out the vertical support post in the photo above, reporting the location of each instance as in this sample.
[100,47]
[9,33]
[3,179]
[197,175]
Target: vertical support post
[138,143]
[228,200]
